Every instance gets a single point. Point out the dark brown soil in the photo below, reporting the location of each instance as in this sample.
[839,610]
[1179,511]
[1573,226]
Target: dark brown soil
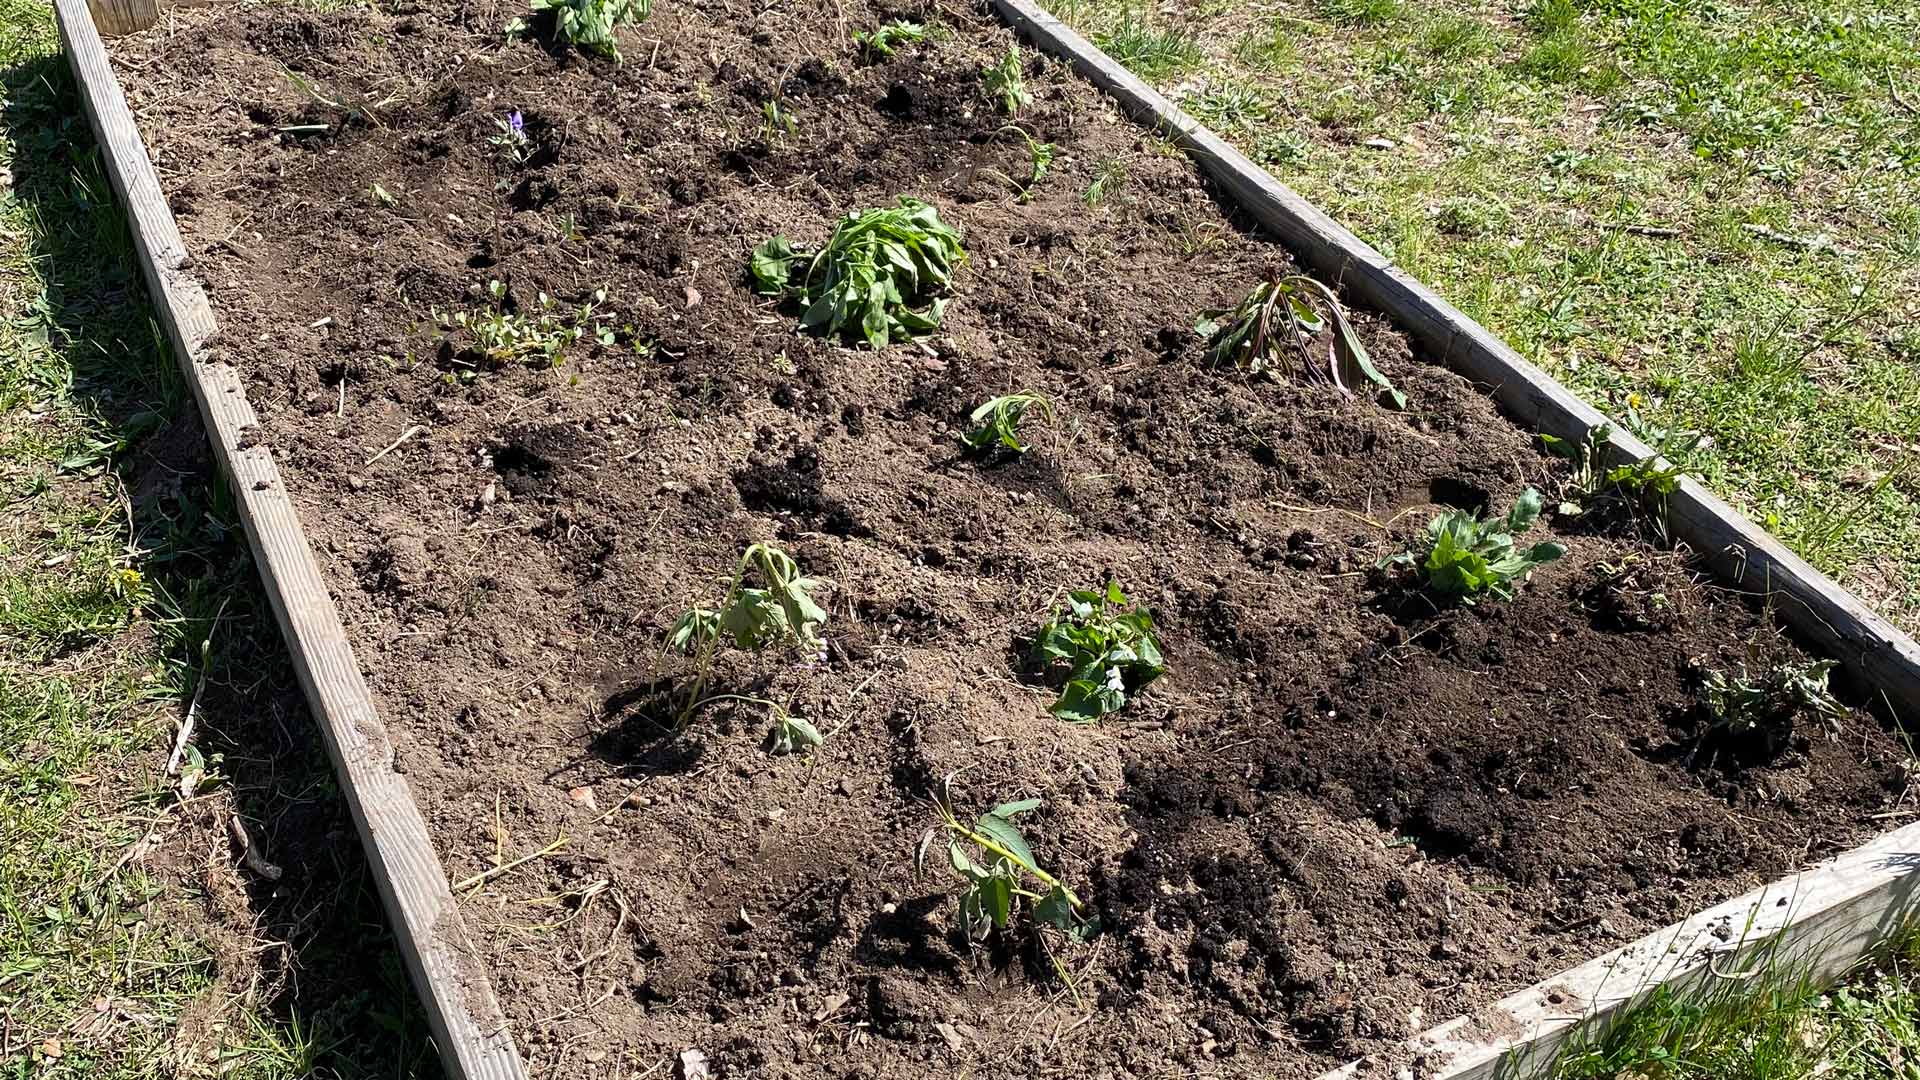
[1346,814]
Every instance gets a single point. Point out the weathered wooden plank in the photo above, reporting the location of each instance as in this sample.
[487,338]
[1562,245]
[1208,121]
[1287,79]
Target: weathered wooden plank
[1881,656]
[468,1027]
[1820,922]
[115,17]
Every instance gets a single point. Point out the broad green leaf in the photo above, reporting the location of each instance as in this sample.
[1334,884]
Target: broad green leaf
[1010,809]
[1002,832]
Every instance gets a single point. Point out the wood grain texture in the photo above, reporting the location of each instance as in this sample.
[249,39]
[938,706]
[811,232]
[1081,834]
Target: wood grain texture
[468,1027]
[1884,659]
[1823,920]
[115,17]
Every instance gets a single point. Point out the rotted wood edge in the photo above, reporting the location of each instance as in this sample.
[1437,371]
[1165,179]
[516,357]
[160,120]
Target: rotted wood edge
[114,17]
[1823,920]
[468,1027]
[1885,659]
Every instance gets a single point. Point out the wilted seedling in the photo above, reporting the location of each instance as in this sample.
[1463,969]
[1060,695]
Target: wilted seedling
[1467,555]
[997,423]
[1004,83]
[1000,872]
[751,617]
[776,122]
[1281,318]
[540,337]
[1039,162]
[788,733]
[880,42]
[587,23]
[381,195]
[1110,655]
[878,275]
[1761,711]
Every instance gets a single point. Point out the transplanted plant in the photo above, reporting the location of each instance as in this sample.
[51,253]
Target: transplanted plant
[1039,162]
[1468,555]
[999,871]
[1109,654]
[1759,712]
[540,335]
[1004,84]
[588,23]
[1277,326]
[880,42]
[997,423]
[1651,481]
[880,274]
[780,611]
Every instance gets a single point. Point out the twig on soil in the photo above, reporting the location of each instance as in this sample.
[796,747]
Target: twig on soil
[249,852]
[395,445]
[487,875]
[186,729]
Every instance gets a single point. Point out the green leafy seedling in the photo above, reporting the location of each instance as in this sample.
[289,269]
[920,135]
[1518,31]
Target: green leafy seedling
[782,611]
[1762,711]
[1651,481]
[880,274]
[588,24]
[540,336]
[1467,555]
[997,423]
[880,42]
[1004,84]
[1283,317]
[1110,655]
[1039,162]
[999,872]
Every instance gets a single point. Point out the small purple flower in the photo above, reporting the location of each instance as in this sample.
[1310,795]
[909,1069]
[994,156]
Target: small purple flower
[516,123]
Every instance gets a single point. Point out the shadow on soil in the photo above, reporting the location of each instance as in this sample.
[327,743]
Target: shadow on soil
[312,946]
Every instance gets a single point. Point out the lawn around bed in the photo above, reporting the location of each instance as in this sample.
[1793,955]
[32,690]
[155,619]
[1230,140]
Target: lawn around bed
[133,943]
[1705,213]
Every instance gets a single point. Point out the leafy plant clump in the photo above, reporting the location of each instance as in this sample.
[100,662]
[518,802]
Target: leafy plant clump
[1467,555]
[880,42]
[997,423]
[1110,655]
[1758,713]
[879,274]
[1004,84]
[1649,481]
[1000,872]
[588,24]
[1276,326]
[510,139]
[781,611]
[540,336]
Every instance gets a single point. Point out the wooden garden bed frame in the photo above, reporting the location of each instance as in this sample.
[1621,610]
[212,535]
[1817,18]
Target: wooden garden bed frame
[1823,919]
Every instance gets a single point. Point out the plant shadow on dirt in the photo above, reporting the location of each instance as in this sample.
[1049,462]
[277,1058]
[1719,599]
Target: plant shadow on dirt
[311,946]
[638,735]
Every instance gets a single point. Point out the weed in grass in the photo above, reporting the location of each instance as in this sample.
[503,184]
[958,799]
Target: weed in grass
[880,274]
[1150,51]
[996,864]
[1361,12]
[1467,555]
[1282,317]
[1004,84]
[881,42]
[781,611]
[1236,105]
[589,24]
[997,423]
[1107,179]
[540,337]
[1110,655]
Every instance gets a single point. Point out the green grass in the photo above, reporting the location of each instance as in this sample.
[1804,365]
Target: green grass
[125,593]
[1776,1025]
[1708,209]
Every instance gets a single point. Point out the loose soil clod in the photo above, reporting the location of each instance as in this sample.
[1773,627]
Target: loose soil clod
[1349,804]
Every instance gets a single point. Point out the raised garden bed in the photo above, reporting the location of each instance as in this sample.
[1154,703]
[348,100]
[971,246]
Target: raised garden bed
[1349,810]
